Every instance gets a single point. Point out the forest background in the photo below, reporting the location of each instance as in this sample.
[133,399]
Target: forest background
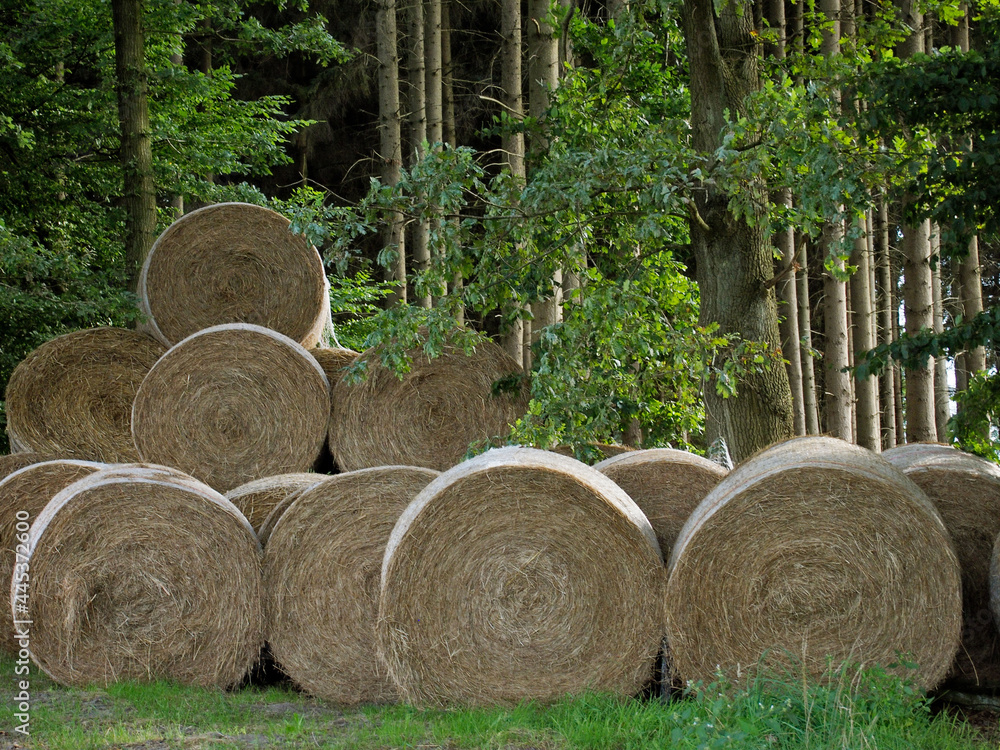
[688,220]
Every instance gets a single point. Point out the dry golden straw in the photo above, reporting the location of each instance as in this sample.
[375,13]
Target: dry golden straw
[231,404]
[321,577]
[14,461]
[966,491]
[814,550]
[257,499]
[23,495]
[430,417]
[605,450]
[73,395]
[666,484]
[333,361]
[143,574]
[520,575]
[234,263]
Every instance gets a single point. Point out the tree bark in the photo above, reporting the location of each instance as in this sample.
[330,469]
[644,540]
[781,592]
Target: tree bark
[390,137]
[867,409]
[918,306]
[417,78]
[885,316]
[942,399]
[805,340]
[734,262]
[136,154]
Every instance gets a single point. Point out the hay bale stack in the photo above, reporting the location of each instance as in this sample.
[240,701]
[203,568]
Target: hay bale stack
[73,395]
[14,461]
[813,550]
[321,574]
[23,495]
[234,263]
[903,455]
[603,450]
[258,498]
[428,418]
[966,491]
[520,575]
[666,484]
[333,361]
[267,526]
[143,574]
[231,404]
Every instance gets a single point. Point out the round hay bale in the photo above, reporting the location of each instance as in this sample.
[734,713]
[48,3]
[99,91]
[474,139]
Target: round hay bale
[73,395]
[268,524]
[14,461]
[135,575]
[234,263]
[965,489]
[811,553]
[257,499]
[666,484]
[23,496]
[903,455]
[321,577]
[602,450]
[430,417]
[520,575]
[333,361]
[231,404]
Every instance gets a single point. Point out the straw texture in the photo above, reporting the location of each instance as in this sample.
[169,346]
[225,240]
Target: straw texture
[141,574]
[231,404]
[666,484]
[14,461]
[257,499]
[23,496]
[966,491]
[321,577]
[430,417]
[333,361]
[604,450]
[813,550]
[903,455]
[520,575]
[234,263]
[73,395]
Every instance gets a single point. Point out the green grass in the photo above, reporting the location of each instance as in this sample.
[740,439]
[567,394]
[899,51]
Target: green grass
[874,711]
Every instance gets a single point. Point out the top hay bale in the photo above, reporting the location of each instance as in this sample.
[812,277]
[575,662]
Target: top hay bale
[430,417]
[234,263]
[333,361]
[966,491]
[520,575]
[666,484]
[258,498]
[811,552]
[231,404]
[142,573]
[73,395]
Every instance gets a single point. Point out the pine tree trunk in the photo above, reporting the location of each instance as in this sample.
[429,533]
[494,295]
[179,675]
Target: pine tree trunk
[513,142]
[390,137]
[417,79]
[942,399]
[867,409]
[735,267]
[885,316]
[136,155]
[918,306]
[805,340]
[448,128]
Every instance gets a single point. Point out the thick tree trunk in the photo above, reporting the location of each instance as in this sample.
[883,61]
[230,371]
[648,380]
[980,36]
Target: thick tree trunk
[885,317]
[513,142]
[918,303]
[734,262]
[390,137]
[972,302]
[836,381]
[805,339]
[942,399]
[433,73]
[136,155]
[417,78]
[863,308]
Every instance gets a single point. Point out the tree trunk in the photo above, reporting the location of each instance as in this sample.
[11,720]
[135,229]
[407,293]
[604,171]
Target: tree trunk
[942,399]
[433,73]
[972,302]
[417,75]
[390,138]
[837,383]
[734,262]
[805,339]
[918,306]
[885,316]
[513,142]
[867,410]
[448,127]
[136,155]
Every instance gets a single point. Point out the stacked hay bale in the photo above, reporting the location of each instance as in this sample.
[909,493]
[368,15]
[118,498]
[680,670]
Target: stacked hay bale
[234,263]
[496,585]
[258,498]
[322,563]
[814,551]
[427,417]
[965,489]
[666,484]
[142,573]
[233,403]
[73,395]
